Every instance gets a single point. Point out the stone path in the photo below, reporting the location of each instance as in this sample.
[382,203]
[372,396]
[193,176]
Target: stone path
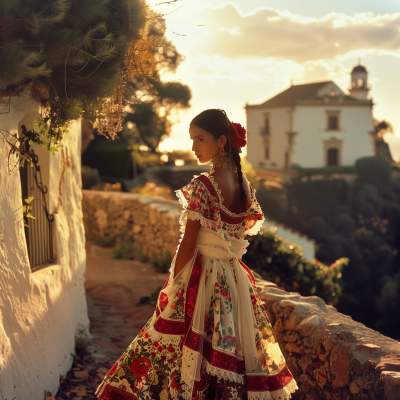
[113,290]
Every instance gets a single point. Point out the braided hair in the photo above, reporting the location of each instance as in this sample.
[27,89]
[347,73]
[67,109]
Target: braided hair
[216,122]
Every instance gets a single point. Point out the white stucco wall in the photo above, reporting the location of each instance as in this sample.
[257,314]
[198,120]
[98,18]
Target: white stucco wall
[280,124]
[355,125]
[40,311]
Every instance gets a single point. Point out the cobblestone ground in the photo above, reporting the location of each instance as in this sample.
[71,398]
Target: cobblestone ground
[113,290]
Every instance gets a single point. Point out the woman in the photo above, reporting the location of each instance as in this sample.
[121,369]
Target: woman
[209,337]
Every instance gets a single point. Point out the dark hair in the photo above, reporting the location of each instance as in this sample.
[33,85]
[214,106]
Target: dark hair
[216,122]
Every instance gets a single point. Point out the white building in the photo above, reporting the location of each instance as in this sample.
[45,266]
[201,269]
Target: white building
[42,270]
[312,125]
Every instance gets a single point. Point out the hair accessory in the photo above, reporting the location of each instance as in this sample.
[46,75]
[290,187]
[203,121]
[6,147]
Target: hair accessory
[237,135]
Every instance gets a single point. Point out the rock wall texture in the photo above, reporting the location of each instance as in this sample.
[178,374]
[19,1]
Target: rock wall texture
[331,356]
[40,311]
[151,222]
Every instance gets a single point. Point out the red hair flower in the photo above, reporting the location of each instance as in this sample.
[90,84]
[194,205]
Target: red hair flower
[237,135]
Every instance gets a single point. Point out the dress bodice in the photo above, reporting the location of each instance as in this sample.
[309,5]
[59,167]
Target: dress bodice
[201,200]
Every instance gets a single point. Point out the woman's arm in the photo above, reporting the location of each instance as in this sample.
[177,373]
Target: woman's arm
[188,245]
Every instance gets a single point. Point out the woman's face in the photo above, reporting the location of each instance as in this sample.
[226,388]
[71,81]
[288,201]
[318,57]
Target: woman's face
[205,145]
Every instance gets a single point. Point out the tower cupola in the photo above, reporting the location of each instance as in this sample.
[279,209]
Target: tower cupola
[359,83]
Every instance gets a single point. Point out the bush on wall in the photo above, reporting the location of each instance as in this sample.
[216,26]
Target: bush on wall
[282,262]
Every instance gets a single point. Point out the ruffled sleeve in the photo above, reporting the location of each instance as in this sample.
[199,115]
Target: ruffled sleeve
[198,204]
[255,217]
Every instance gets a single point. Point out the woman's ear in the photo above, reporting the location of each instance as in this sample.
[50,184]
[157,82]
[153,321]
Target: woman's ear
[222,140]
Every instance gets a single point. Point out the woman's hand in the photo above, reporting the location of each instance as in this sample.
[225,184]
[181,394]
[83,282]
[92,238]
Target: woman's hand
[188,245]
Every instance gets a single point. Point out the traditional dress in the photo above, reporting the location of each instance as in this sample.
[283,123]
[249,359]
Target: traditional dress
[209,337]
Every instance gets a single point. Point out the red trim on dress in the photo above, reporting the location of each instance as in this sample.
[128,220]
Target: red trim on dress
[222,360]
[169,327]
[265,383]
[113,393]
[206,181]
[251,277]
[229,219]
[193,340]
[191,295]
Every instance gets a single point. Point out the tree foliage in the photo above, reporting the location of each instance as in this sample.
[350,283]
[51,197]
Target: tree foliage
[87,58]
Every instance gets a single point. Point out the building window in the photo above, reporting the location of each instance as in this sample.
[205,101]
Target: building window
[38,230]
[360,83]
[266,126]
[333,157]
[333,121]
[267,153]
[265,129]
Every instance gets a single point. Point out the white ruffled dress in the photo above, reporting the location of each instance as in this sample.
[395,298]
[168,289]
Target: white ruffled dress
[209,337]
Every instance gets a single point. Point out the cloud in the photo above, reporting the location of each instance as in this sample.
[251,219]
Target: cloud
[268,33]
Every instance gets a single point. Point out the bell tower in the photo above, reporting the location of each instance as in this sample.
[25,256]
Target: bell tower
[359,83]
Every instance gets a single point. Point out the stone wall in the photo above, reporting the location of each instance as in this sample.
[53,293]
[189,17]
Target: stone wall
[151,222]
[331,356]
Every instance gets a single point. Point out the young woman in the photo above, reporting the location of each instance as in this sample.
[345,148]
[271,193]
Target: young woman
[209,337]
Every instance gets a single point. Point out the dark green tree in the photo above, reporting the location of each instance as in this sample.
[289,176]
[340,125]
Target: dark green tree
[74,54]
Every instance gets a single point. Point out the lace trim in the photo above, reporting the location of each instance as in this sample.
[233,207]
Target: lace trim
[194,215]
[281,394]
[232,214]
[189,367]
[258,225]
[222,373]
[174,340]
[251,224]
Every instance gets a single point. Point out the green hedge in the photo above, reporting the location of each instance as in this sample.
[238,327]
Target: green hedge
[277,260]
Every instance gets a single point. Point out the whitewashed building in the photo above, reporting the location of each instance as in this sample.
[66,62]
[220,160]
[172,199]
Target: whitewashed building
[312,125]
[42,268]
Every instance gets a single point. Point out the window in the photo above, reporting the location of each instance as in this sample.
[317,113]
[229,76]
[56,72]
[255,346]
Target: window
[38,230]
[267,152]
[266,126]
[265,129]
[333,123]
[360,83]
[333,157]
[333,93]
[332,120]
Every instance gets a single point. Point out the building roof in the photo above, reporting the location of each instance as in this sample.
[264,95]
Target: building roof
[359,68]
[296,92]
[307,93]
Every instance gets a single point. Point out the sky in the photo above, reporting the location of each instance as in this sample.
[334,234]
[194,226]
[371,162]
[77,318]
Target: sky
[247,51]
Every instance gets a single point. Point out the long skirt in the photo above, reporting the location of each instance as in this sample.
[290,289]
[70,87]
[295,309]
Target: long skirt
[209,338]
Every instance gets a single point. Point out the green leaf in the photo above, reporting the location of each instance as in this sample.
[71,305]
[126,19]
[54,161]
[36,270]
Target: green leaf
[30,142]
[29,215]
[29,200]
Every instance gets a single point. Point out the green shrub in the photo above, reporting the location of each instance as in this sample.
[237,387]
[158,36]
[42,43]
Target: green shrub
[282,262]
[129,251]
[102,241]
[161,264]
